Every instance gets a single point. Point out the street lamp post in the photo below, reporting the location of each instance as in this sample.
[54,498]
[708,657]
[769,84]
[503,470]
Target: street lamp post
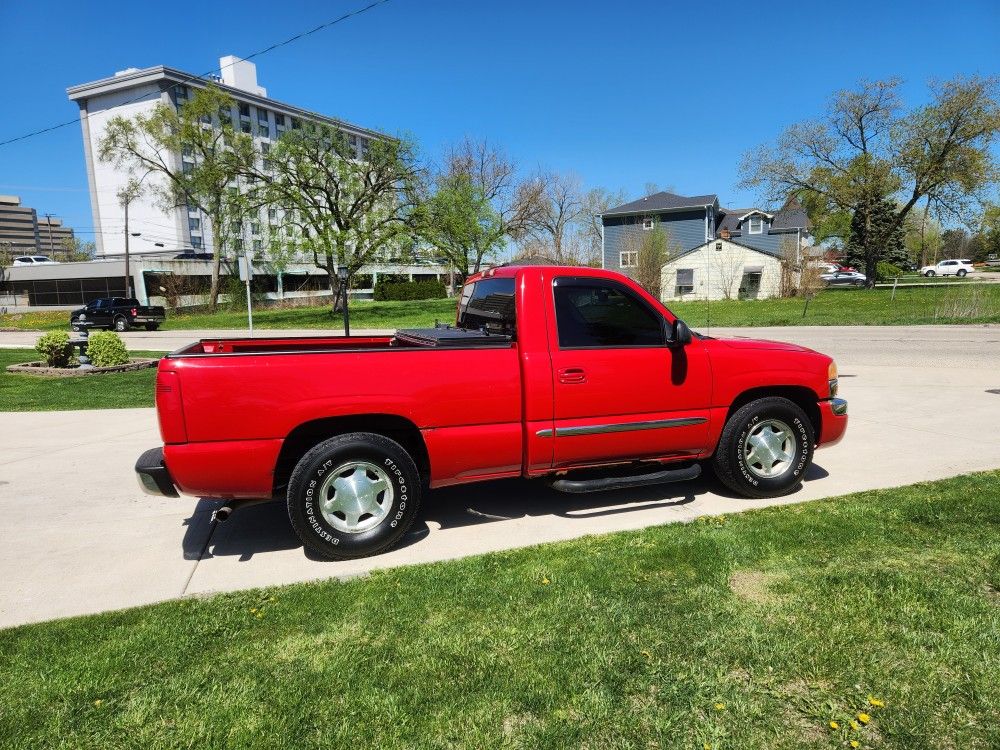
[342,275]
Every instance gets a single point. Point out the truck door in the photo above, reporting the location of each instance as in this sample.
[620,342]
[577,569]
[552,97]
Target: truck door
[99,313]
[620,392]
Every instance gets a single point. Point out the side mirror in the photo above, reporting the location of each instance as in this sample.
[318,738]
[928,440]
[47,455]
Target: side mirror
[681,334]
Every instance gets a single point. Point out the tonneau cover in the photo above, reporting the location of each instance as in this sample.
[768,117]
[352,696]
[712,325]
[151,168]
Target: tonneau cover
[450,337]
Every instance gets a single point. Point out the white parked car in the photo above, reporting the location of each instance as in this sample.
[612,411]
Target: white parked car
[34,260]
[957,267]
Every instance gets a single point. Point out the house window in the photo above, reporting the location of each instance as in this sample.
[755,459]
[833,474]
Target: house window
[647,223]
[255,228]
[196,243]
[628,259]
[756,225]
[194,224]
[685,281]
[272,215]
[245,127]
[244,110]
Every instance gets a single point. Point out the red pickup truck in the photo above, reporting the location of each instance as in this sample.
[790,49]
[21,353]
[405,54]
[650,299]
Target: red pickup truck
[547,371]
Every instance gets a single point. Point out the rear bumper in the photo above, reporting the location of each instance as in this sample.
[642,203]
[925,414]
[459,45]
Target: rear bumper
[152,474]
[833,419]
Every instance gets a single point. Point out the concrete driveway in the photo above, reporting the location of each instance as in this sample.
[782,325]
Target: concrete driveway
[78,536]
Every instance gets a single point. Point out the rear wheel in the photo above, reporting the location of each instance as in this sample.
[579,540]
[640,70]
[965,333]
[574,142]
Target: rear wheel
[353,495]
[121,324]
[765,448]
[929,274]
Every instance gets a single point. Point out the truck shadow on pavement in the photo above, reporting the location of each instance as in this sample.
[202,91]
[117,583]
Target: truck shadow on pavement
[265,528]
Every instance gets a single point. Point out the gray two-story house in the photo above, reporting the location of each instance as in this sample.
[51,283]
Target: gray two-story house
[690,221]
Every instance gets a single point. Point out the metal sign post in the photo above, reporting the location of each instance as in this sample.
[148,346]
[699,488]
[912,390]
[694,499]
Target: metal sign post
[246,274]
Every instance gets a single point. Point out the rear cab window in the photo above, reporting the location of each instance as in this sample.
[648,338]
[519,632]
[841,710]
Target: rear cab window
[488,304]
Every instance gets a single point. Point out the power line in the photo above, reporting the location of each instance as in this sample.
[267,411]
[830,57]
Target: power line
[204,76]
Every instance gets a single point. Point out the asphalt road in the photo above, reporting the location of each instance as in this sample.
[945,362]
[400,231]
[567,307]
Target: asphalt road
[79,537]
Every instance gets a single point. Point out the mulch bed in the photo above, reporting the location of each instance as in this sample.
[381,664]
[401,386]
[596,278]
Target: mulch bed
[42,369]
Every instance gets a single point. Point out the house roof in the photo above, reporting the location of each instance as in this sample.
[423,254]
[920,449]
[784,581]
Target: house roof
[768,253]
[663,201]
[791,216]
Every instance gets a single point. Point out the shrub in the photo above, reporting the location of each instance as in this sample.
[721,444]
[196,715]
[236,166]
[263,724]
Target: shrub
[885,271]
[106,349]
[408,290]
[55,348]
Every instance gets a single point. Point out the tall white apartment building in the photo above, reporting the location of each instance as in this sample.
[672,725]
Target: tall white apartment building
[133,91]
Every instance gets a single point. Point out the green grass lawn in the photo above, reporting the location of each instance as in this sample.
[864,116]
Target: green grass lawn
[970,303]
[34,393]
[747,631]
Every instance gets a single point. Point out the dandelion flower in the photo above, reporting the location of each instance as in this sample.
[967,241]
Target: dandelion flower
[720,706]
[864,718]
[834,725]
[645,653]
[855,743]
[707,746]
[854,725]
[876,702]
[545,581]
[98,702]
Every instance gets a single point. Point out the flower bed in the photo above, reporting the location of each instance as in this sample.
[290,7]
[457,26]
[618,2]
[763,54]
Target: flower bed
[41,368]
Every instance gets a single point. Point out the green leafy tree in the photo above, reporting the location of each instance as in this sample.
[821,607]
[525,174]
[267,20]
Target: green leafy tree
[201,130]
[478,204]
[873,225]
[867,150]
[348,208]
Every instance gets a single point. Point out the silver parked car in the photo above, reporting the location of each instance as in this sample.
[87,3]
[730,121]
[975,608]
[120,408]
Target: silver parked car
[845,278]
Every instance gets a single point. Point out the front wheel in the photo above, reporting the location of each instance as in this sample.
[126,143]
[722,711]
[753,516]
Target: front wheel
[765,448]
[961,272]
[121,324]
[353,495]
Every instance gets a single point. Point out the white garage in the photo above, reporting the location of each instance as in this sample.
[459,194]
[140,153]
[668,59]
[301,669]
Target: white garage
[721,269]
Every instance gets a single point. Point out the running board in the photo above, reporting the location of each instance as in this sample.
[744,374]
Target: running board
[577,486]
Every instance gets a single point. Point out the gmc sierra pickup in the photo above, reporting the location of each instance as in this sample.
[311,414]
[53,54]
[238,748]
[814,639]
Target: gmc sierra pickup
[547,370]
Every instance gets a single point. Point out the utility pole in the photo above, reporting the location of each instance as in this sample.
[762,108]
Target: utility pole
[48,220]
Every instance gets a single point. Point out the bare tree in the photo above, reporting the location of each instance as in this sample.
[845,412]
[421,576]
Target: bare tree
[596,202]
[560,206]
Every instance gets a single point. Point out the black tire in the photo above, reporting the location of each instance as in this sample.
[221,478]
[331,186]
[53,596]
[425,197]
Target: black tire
[75,327]
[152,326]
[313,525]
[730,461]
[929,274]
[121,324]
[961,272]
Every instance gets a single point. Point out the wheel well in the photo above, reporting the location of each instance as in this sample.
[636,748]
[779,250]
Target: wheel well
[309,434]
[804,397]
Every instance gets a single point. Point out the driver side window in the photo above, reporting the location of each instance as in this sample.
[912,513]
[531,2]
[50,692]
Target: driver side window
[594,313]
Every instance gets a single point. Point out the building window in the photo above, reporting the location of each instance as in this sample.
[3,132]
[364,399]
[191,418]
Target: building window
[244,109]
[263,130]
[225,116]
[255,228]
[194,224]
[187,167]
[196,243]
[237,227]
[279,120]
[628,259]
[756,224]
[272,215]
[296,124]
[257,245]
[353,140]
[245,127]
[647,223]
[685,281]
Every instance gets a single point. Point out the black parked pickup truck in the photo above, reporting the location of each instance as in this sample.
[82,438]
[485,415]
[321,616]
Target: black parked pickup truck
[119,313]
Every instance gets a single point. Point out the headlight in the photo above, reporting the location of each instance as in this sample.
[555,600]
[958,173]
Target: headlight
[832,378]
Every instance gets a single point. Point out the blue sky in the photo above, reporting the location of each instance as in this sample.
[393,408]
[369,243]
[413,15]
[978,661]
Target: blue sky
[622,94]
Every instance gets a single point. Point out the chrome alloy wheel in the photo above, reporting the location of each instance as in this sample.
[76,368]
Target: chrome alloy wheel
[356,497]
[769,448]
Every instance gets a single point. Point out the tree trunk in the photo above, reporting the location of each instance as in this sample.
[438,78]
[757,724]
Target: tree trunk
[213,294]
[923,232]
